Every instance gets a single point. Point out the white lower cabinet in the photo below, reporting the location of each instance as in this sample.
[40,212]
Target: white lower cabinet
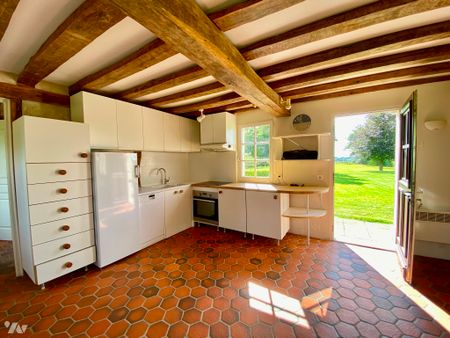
[264,214]
[232,210]
[151,218]
[178,210]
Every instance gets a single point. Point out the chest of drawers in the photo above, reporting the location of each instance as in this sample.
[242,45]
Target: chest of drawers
[54,195]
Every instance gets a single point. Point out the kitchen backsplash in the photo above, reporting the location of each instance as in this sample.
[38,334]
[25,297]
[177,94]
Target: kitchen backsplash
[176,165]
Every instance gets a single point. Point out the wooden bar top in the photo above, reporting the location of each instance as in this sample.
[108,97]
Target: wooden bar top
[265,187]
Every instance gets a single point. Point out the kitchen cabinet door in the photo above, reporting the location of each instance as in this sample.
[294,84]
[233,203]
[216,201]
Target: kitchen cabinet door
[129,126]
[151,218]
[219,128]
[100,114]
[153,129]
[264,211]
[172,138]
[178,210]
[185,135]
[232,211]
[62,141]
[206,130]
[195,136]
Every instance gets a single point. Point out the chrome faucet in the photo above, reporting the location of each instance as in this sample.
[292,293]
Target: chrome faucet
[164,178]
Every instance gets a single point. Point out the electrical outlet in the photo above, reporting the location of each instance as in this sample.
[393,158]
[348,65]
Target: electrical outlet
[319,177]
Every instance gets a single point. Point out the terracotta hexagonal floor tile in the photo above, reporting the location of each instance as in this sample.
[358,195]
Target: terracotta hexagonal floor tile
[79,327]
[198,330]
[136,315]
[154,315]
[192,316]
[219,330]
[98,328]
[211,316]
[173,315]
[157,330]
[177,330]
[137,329]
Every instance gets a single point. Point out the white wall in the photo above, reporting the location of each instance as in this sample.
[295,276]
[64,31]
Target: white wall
[176,165]
[212,166]
[433,154]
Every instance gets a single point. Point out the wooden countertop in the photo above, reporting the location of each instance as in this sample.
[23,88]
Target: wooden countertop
[276,188]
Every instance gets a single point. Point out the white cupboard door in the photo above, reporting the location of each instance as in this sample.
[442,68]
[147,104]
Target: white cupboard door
[151,217]
[49,140]
[153,129]
[185,134]
[219,128]
[195,136]
[129,126]
[178,210]
[206,130]
[172,139]
[99,113]
[232,211]
[264,214]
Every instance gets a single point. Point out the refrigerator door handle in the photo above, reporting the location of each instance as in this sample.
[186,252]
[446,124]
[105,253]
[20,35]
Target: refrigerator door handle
[137,171]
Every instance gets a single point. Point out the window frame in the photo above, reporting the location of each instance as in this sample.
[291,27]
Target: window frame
[240,159]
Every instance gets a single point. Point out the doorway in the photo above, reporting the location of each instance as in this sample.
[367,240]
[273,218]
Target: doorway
[9,257]
[364,179]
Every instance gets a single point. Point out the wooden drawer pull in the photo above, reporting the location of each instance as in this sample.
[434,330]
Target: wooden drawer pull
[275,197]
[220,191]
[68,264]
[66,246]
[62,171]
[83,155]
[175,192]
[63,191]
[64,209]
[181,191]
[65,228]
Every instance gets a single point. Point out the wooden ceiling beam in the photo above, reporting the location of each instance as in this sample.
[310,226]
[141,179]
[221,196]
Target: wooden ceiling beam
[184,26]
[325,59]
[248,11]
[358,50]
[370,80]
[369,89]
[157,51]
[215,102]
[365,67]
[23,92]
[7,8]
[360,17]
[85,24]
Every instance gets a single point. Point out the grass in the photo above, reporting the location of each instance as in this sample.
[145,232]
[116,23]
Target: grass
[364,193]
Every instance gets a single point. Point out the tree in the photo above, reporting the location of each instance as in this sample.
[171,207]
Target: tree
[374,140]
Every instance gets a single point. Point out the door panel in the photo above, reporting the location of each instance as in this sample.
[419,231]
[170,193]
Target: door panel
[404,238]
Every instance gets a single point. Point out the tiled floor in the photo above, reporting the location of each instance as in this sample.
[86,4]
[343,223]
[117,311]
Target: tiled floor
[375,235]
[431,276]
[207,283]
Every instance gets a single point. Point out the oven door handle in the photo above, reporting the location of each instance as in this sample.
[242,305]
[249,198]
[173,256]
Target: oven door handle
[203,200]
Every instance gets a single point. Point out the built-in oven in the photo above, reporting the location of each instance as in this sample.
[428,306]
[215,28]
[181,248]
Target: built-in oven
[206,206]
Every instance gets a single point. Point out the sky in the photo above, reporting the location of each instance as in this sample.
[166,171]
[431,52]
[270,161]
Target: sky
[343,127]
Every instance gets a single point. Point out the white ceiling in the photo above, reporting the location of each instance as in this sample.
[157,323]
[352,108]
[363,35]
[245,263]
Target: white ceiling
[34,20]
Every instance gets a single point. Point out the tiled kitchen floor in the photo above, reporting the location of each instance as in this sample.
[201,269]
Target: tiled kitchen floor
[6,256]
[207,283]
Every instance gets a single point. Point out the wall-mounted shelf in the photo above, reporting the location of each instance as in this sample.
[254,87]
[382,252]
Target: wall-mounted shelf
[301,135]
[314,142]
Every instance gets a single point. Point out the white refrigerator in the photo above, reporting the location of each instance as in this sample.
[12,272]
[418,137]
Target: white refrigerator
[116,209]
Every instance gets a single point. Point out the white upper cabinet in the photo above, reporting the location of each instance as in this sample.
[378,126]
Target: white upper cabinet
[185,134]
[129,126]
[62,141]
[219,128]
[153,129]
[100,114]
[195,136]
[172,137]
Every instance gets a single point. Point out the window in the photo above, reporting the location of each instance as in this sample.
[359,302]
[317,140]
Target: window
[255,151]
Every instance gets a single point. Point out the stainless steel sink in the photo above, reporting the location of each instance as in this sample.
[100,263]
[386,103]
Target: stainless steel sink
[159,187]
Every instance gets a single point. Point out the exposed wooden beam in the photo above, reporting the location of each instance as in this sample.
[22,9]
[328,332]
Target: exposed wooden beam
[158,51]
[7,8]
[361,17]
[149,55]
[16,108]
[248,11]
[370,66]
[366,67]
[85,24]
[23,92]
[370,80]
[358,50]
[327,58]
[168,81]
[375,88]
[186,27]
[219,101]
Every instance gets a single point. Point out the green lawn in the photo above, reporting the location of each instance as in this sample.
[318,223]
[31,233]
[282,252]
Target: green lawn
[362,192]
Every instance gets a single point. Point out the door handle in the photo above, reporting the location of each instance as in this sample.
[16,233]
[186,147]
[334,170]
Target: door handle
[137,171]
